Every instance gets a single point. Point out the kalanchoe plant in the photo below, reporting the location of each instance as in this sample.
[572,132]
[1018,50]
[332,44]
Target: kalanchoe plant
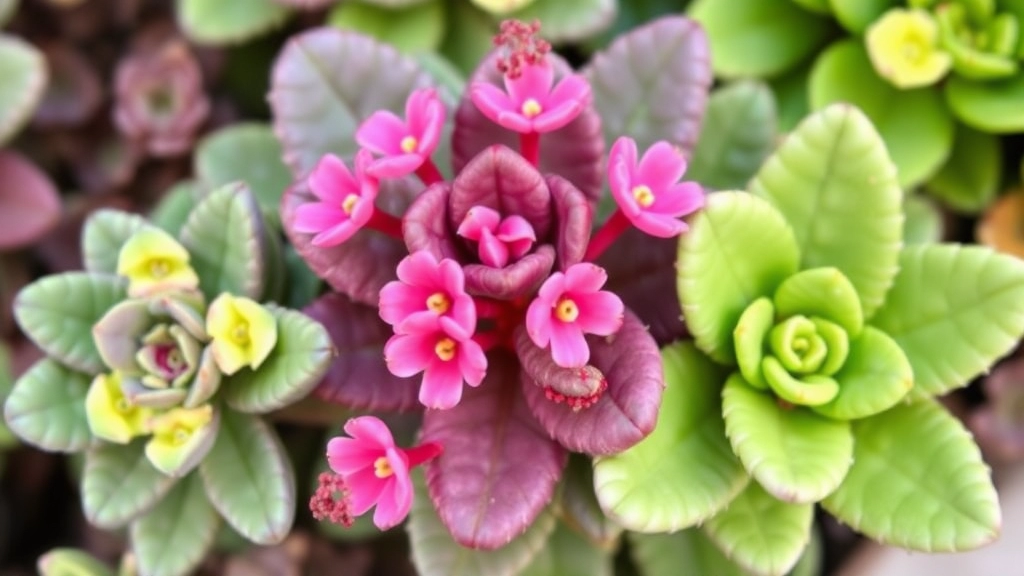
[161,357]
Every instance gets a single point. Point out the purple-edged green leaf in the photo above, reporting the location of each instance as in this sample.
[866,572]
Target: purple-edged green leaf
[29,202]
[652,83]
[574,152]
[175,536]
[119,484]
[655,486]
[954,310]
[103,235]
[568,20]
[172,211]
[325,83]
[567,553]
[23,69]
[857,15]
[968,181]
[739,248]
[499,468]
[214,22]
[918,482]
[579,507]
[46,408]
[358,376]
[628,409]
[990,106]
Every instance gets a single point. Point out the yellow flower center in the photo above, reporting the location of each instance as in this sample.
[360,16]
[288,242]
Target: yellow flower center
[531,108]
[382,468]
[438,303]
[180,435]
[159,268]
[240,333]
[408,144]
[123,406]
[445,348]
[349,203]
[643,195]
[566,310]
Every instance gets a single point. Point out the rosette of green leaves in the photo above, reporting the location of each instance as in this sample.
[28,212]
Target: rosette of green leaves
[177,442]
[820,342]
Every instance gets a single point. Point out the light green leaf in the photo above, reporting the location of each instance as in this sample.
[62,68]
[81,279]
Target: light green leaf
[568,20]
[990,106]
[71,562]
[915,124]
[796,455]
[654,486]
[738,249]
[579,507]
[790,92]
[418,28]
[968,181]
[23,69]
[822,292]
[819,6]
[249,479]
[57,312]
[119,484]
[758,38]
[874,378]
[174,207]
[567,553]
[434,553]
[47,408]
[684,552]
[924,222]
[294,367]
[857,15]
[224,237]
[450,79]
[760,533]
[833,182]
[470,36]
[174,537]
[918,482]
[7,438]
[103,235]
[216,22]
[954,310]
[738,133]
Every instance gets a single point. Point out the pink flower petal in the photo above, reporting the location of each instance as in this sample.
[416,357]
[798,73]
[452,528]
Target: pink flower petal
[370,429]
[552,289]
[426,117]
[442,385]
[463,312]
[409,354]
[491,251]
[477,219]
[472,362]
[399,300]
[600,313]
[558,116]
[584,277]
[348,455]
[573,88]
[515,122]
[659,225]
[419,269]
[331,180]
[491,100]
[396,499]
[395,166]
[681,199]
[416,108]
[661,166]
[365,489]
[451,278]
[316,217]
[534,82]
[334,236]
[538,321]
[362,212]
[455,330]
[382,133]
[568,347]
[514,228]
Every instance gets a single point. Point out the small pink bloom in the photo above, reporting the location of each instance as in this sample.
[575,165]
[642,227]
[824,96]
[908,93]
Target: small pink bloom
[649,192]
[446,354]
[374,471]
[528,103]
[427,287]
[403,145]
[570,305]
[499,241]
[346,200]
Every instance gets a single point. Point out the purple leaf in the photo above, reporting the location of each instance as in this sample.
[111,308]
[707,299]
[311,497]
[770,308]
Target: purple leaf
[574,152]
[517,280]
[425,226]
[499,468]
[652,83]
[628,410]
[358,376]
[574,217]
[29,202]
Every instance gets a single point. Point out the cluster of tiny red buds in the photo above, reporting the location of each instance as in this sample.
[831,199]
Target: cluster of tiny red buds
[588,376]
[522,47]
[330,501]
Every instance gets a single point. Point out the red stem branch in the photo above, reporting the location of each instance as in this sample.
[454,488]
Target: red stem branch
[606,235]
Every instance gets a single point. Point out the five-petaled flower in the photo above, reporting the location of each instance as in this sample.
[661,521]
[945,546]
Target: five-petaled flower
[426,287]
[499,240]
[406,145]
[243,332]
[346,200]
[153,261]
[529,104]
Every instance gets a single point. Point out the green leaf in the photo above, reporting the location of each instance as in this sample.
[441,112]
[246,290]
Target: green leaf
[833,182]
[7,438]
[857,15]
[954,310]
[469,37]
[103,235]
[579,507]
[119,484]
[47,408]
[874,378]
[23,69]
[224,236]
[71,562]
[738,249]
[567,553]
[924,222]
[795,454]
[174,537]
[968,181]
[822,292]
[57,312]
[760,533]
[915,124]
[684,552]
[215,22]
[990,106]
[8,8]
[790,92]
[418,28]
[568,20]
[249,479]
[654,486]
[434,553]
[738,133]
[758,37]
[819,6]
[294,367]
[174,207]
[918,482]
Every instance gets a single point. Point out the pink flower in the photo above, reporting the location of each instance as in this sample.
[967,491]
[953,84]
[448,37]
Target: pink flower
[403,145]
[649,192]
[346,200]
[444,351]
[374,471]
[570,305]
[498,240]
[427,287]
[528,103]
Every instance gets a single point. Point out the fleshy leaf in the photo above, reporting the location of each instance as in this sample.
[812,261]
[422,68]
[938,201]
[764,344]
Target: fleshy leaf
[580,509]
[498,469]
[760,533]
[413,30]
[172,211]
[655,486]
[434,553]
[567,553]
[568,20]
[918,482]
[832,181]
[795,454]
[924,222]
[652,83]
[57,312]
[69,561]
[857,15]
[954,310]
[29,202]
[875,376]
[358,376]
[628,409]
[105,232]
[967,182]
[991,106]
[214,22]
[224,236]
[47,408]
[249,478]
[119,484]
[684,552]
[720,273]
[790,92]
[822,292]
[738,134]
[23,69]
[294,367]
[175,536]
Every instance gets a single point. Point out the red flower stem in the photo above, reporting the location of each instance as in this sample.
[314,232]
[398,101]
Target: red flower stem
[385,223]
[529,147]
[428,172]
[613,227]
[423,453]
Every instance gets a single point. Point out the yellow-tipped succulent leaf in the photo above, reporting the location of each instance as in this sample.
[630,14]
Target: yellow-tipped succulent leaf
[904,48]
[154,262]
[111,416]
[181,438]
[243,332]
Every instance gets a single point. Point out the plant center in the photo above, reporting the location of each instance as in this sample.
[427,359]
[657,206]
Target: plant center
[445,348]
[409,144]
[566,310]
[240,333]
[438,303]
[531,108]
[159,268]
[382,468]
[349,203]
[643,196]
[915,47]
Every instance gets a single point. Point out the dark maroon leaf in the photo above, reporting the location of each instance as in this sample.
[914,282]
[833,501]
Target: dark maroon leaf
[628,410]
[516,280]
[29,202]
[425,226]
[499,468]
[74,91]
[574,217]
[501,179]
[358,376]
